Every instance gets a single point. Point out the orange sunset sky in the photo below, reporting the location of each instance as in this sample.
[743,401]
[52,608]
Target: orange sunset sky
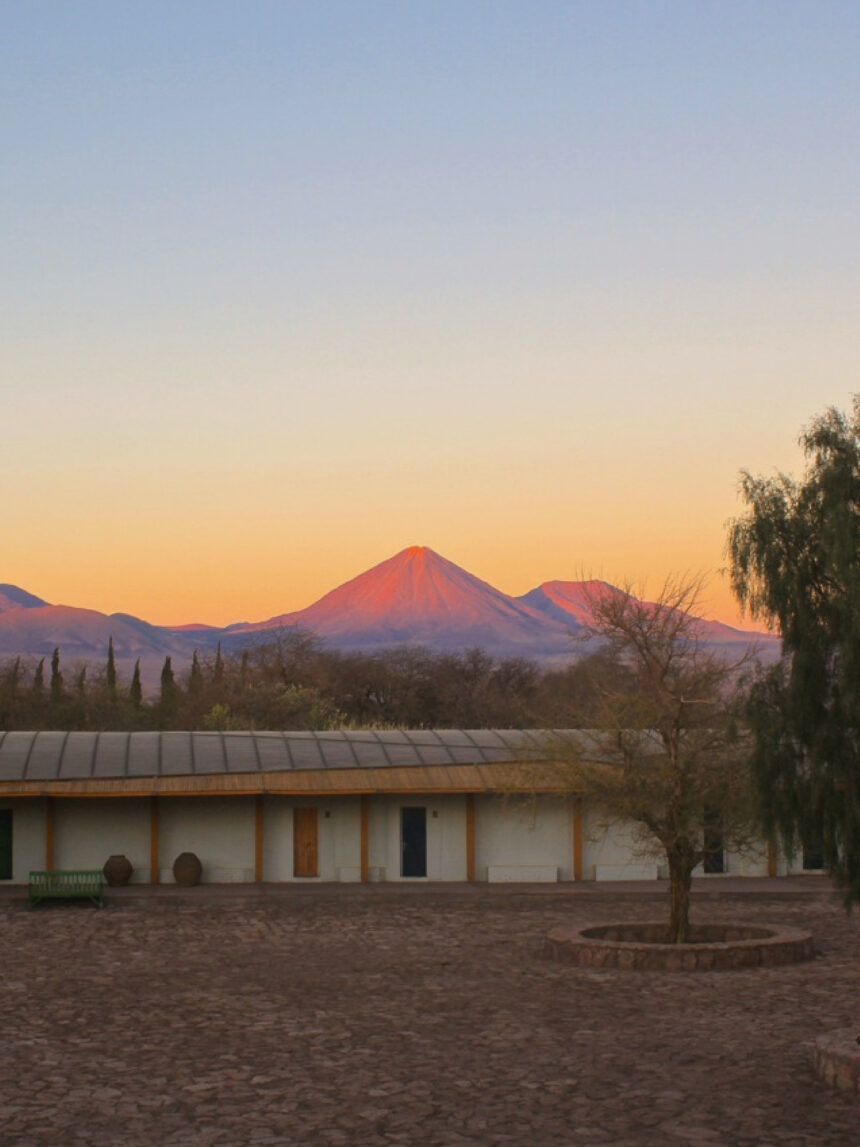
[290,287]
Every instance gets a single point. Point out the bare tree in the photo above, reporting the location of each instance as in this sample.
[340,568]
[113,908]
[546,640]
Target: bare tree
[665,752]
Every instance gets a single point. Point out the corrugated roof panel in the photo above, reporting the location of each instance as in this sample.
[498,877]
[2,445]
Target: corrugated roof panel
[78,756]
[336,753]
[274,757]
[403,754]
[465,755]
[434,755]
[241,753]
[111,753]
[305,752]
[176,754]
[370,754]
[392,736]
[422,736]
[44,762]
[486,738]
[453,737]
[207,751]
[143,754]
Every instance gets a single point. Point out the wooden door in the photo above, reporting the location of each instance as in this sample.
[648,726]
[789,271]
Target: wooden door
[305,842]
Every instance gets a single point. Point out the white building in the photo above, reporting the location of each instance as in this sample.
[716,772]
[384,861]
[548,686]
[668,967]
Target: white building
[364,805]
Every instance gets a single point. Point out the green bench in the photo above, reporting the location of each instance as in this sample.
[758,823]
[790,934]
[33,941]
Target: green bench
[58,883]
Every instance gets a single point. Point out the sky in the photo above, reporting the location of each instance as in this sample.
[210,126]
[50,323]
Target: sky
[288,287]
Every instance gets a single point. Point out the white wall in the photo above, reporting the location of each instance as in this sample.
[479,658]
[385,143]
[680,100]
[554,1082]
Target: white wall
[87,832]
[219,830]
[611,843]
[511,831]
[28,838]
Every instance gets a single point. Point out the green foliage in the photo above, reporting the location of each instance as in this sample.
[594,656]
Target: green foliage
[795,563]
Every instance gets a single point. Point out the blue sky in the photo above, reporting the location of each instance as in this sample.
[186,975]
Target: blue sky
[526,283]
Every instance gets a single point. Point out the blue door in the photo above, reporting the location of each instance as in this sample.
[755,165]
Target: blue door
[413,841]
[5,844]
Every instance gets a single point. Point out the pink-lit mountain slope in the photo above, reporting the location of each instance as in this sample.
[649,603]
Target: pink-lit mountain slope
[574,599]
[418,597]
[11,597]
[82,635]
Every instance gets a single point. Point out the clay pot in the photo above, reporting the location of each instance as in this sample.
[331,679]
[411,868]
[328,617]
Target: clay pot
[117,871]
[187,869]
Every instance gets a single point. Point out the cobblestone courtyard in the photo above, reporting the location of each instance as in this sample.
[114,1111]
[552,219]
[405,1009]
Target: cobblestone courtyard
[393,1016]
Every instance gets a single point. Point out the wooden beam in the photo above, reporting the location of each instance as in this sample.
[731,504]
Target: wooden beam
[365,840]
[154,857]
[577,838]
[771,859]
[470,837]
[258,838]
[49,833]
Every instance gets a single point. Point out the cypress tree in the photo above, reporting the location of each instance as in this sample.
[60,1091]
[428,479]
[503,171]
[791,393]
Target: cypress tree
[110,675]
[168,689]
[218,671]
[56,678]
[135,692]
[195,678]
[39,680]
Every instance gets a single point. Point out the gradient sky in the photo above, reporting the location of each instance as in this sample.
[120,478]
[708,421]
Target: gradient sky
[287,287]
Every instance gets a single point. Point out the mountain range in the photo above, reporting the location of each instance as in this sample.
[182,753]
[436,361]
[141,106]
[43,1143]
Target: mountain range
[416,597]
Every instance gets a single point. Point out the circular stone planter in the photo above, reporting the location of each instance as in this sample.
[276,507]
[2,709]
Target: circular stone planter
[836,1058]
[711,947]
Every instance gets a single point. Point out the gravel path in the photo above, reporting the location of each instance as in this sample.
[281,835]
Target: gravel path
[382,1019]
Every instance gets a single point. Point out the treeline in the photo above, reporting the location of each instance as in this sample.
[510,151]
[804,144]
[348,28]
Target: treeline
[293,683]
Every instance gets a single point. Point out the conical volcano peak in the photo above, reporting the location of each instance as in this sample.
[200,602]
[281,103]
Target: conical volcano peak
[419,596]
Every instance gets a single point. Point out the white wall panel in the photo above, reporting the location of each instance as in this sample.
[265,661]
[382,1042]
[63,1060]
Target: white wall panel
[220,831]
[87,832]
[514,831]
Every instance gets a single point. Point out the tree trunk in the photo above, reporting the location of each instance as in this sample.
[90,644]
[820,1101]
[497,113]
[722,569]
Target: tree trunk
[680,878]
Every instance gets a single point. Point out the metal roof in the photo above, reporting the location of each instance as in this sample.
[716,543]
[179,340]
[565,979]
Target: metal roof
[57,756]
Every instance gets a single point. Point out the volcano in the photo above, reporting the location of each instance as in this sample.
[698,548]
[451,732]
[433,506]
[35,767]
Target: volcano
[418,597]
[573,600]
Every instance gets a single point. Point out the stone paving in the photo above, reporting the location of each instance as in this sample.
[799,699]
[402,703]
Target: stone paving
[379,1017]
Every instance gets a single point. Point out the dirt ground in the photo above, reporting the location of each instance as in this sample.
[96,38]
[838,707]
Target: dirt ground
[378,1016]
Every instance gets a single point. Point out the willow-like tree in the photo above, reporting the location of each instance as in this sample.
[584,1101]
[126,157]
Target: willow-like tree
[795,563]
[664,753]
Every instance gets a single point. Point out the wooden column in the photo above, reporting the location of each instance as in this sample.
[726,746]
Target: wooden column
[154,858]
[470,837]
[771,859]
[49,833]
[577,838]
[258,837]
[365,840]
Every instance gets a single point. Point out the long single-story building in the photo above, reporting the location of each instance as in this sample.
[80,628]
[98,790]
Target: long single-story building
[362,805]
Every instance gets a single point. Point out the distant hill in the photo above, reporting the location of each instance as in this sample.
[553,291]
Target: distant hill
[416,597]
